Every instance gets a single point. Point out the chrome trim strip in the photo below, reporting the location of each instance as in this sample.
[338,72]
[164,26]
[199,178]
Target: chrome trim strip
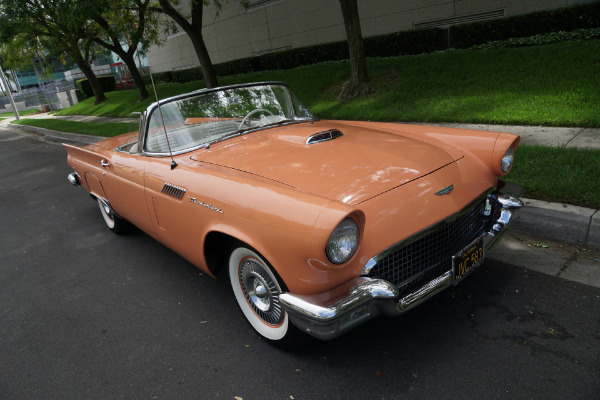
[425,292]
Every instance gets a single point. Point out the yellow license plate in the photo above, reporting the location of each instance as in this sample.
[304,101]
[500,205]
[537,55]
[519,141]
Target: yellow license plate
[467,260]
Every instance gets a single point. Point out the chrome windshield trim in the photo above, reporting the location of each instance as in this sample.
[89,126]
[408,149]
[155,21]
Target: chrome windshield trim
[145,116]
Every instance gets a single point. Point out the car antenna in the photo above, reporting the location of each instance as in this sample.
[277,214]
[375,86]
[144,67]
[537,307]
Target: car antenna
[173,163]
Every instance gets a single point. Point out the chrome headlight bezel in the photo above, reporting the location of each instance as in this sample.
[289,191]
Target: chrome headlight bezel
[343,242]
[507,160]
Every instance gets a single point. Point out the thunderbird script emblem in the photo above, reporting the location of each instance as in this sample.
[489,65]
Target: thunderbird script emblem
[445,190]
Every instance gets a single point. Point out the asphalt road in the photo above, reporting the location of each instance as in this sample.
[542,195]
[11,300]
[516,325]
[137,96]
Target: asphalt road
[85,314]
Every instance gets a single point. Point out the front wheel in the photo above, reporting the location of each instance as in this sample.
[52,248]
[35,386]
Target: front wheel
[257,291]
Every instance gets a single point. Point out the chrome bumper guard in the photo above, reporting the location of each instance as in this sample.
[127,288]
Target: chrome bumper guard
[328,315]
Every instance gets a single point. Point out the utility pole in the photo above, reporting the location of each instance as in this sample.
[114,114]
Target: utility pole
[12,102]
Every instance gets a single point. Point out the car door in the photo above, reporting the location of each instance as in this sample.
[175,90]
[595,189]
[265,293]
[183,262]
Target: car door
[123,182]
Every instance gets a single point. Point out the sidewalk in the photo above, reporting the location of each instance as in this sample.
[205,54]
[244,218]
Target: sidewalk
[562,223]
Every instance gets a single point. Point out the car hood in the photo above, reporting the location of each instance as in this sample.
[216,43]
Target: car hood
[361,164]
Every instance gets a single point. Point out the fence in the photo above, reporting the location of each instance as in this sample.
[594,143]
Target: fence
[51,96]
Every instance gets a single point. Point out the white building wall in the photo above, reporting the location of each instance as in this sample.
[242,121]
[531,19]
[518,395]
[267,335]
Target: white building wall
[235,32]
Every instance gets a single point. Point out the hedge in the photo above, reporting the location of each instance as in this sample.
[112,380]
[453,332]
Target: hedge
[394,44]
[411,42]
[108,84]
[565,19]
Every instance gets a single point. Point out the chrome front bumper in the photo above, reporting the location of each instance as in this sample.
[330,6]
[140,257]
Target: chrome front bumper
[364,298]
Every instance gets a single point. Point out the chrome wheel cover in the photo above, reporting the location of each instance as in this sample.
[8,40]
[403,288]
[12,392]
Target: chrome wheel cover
[261,291]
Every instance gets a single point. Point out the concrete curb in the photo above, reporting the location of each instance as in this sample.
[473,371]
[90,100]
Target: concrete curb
[559,222]
[59,137]
[553,221]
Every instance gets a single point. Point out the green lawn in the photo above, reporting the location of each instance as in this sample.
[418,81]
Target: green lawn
[21,113]
[551,85]
[558,174]
[88,128]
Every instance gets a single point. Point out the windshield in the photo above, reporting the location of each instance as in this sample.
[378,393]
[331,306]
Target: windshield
[206,118]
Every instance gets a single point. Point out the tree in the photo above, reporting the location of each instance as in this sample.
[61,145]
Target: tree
[56,26]
[359,79]
[124,21]
[193,29]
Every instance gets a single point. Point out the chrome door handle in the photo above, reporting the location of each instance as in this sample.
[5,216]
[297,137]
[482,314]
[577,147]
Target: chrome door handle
[104,163]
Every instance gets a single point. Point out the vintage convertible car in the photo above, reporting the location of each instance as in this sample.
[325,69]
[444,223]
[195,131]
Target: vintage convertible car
[318,225]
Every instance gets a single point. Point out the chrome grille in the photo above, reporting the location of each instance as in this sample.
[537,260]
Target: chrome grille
[173,190]
[429,255]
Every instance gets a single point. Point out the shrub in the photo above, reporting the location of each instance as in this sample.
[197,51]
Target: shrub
[186,75]
[562,19]
[159,78]
[108,84]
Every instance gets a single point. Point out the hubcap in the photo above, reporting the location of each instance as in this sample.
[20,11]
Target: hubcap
[260,291]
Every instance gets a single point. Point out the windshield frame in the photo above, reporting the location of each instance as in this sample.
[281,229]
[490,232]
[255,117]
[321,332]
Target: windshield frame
[154,107]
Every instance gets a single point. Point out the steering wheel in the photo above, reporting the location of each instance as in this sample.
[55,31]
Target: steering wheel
[251,113]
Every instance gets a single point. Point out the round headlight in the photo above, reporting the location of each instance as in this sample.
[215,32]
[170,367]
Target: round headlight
[343,241]
[507,160]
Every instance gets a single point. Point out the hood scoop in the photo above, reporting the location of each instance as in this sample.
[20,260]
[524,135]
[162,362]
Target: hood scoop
[323,136]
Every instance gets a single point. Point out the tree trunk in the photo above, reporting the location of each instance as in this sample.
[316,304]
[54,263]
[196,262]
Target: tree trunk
[358,83]
[194,31]
[92,79]
[138,81]
[208,71]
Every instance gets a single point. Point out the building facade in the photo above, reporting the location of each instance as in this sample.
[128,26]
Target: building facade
[272,25]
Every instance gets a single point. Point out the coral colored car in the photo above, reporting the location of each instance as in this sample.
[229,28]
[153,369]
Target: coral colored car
[319,225]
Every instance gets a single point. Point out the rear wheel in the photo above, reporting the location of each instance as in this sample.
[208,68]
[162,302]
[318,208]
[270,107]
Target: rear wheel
[257,291]
[115,223]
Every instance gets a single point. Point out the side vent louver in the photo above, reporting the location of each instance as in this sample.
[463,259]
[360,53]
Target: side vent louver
[324,136]
[174,191]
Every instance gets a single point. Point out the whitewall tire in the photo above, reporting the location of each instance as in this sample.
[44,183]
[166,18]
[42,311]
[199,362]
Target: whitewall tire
[257,291]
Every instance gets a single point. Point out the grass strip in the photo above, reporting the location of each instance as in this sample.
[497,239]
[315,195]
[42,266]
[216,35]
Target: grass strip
[550,85]
[558,174]
[106,129]
[21,113]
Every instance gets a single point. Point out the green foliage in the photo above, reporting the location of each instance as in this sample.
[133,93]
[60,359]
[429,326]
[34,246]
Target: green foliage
[108,84]
[187,75]
[558,174]
[160,78]
[552,85]
[562,19]
[21,113]
[394,44]
[554,37]
[402,43]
